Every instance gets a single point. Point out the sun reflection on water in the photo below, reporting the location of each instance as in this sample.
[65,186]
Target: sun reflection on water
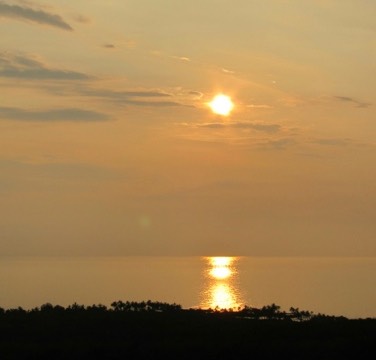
[221,290]
[220,273]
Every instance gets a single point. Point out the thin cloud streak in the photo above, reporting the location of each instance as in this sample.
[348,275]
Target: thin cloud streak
[122,94]
[51,115]
[262,106]
[357,103]
[268,128]
[182,58]
[27,67]
[279,144]
[109,46]
[36,16]
[130,97]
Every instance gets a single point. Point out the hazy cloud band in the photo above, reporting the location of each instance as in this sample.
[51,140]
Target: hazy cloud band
[37,16]
[68,114]
[27,67]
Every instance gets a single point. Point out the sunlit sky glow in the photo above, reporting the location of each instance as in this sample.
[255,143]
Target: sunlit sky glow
[108,146]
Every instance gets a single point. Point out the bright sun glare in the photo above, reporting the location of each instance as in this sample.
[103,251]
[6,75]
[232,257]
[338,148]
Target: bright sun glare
[220,273]
[221,261]
[222,291]
[221,267]
[221,105]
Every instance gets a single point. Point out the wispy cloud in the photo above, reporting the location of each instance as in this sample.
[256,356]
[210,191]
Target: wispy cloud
[31,67]
[137,98]
[66,114]
[196,93]
[38,16]
[28,67]
[259,106]
[109,46]
[267,128]
[81,19]
[357,103]
[227,71]
[154,103]
[333,141]
[122,94]
[279,144]
[182,58]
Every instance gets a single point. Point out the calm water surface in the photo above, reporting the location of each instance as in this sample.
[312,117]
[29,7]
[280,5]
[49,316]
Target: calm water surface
[337,286]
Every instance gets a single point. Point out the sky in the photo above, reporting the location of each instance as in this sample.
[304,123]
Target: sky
[108,145]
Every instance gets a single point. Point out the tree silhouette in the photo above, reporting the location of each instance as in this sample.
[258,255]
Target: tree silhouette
[300,315]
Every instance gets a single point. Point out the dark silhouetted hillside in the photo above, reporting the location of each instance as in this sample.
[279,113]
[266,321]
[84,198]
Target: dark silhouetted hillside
[155,330]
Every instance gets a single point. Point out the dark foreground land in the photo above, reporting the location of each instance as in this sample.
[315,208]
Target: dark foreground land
[153,330]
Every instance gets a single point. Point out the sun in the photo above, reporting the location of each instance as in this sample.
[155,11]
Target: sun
[221,105]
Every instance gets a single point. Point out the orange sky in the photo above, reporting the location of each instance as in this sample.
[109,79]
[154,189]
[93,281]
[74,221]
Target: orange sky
[108,146]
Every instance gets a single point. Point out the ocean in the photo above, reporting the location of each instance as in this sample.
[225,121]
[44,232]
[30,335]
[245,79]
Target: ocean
[333,286]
